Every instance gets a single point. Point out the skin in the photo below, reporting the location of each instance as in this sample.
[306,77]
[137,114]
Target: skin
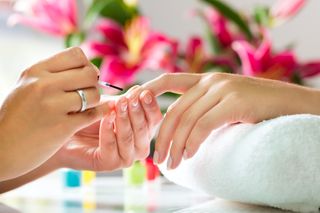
[45,89]
[39,121]
[209,101]
[99,147]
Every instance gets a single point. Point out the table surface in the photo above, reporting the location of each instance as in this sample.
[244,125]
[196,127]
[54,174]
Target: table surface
[110,195]
[105,194]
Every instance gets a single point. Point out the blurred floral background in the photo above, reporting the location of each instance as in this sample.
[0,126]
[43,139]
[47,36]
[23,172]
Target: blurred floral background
[128,39]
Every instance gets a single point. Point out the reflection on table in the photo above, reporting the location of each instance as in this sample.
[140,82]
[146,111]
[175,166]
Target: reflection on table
[105,194]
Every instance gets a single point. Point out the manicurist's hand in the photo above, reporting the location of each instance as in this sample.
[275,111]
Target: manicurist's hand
[42,112]
[122,137]
[212,100]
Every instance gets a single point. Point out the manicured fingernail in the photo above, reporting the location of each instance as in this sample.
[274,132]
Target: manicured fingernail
[124,105]
[156,157]
[135,102]
[185,155]
[169,163]
[147,99]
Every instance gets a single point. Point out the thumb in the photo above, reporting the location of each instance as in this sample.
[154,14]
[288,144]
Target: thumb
[172,82]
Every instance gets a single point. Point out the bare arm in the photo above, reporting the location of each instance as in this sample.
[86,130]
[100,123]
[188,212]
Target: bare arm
[49,166]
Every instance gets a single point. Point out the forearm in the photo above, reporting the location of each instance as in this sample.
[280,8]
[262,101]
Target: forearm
[49,166]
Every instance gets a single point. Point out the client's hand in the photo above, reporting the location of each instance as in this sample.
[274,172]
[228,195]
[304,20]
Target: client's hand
[119,139]
[212,100]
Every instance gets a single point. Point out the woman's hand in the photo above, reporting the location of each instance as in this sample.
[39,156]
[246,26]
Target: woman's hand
[212,100]
[40,115]
[119,139]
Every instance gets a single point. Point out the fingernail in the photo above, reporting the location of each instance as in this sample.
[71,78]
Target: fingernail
[134,102]
[169,163]
[147,99]
[185,155]
[124,105]
[156,157]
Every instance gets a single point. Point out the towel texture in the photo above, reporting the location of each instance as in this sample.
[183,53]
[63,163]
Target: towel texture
[223,206]
[274,163]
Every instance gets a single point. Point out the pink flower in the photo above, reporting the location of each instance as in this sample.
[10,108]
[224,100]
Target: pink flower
[285,9]
[195,55]
[56,17]
[261,62]
[219,27]
[127,50]
[309,69]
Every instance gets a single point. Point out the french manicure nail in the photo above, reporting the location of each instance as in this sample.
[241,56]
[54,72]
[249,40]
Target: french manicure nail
[156,157]
[147,99]
[169,163]
[134,102]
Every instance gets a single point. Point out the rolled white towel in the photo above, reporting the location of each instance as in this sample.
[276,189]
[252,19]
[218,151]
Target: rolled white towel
[274,163]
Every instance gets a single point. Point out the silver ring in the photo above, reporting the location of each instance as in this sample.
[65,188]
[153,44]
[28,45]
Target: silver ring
[84,101]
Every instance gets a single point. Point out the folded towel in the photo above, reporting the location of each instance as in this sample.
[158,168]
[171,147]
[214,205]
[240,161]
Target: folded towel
[223,206]
[274,163]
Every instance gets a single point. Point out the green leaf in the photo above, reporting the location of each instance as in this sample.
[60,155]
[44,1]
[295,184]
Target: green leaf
[296,78]
[95,10]
[74,39]
[97,62]
[113,9]
[262,16]
[232,15]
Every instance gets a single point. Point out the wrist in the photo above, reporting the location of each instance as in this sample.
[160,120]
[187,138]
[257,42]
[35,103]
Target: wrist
[312,101]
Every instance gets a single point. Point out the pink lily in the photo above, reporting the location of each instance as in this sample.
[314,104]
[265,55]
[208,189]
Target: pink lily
[125,51]
[219,27]
[56,17]
[285,9]
[195,55]
[261,62]
[309,69]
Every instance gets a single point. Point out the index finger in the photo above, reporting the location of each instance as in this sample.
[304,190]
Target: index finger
[68,59]
[172,82]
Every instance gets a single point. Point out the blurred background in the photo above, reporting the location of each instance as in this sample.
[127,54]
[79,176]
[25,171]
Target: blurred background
[21,46]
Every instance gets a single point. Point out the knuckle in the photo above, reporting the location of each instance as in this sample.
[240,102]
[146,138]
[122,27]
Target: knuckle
[30,72]
[228,85]
[78,54]
[217,76]
[40,86]
[165,77]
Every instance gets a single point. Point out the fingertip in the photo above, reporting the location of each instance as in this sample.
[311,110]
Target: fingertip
[146,97]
